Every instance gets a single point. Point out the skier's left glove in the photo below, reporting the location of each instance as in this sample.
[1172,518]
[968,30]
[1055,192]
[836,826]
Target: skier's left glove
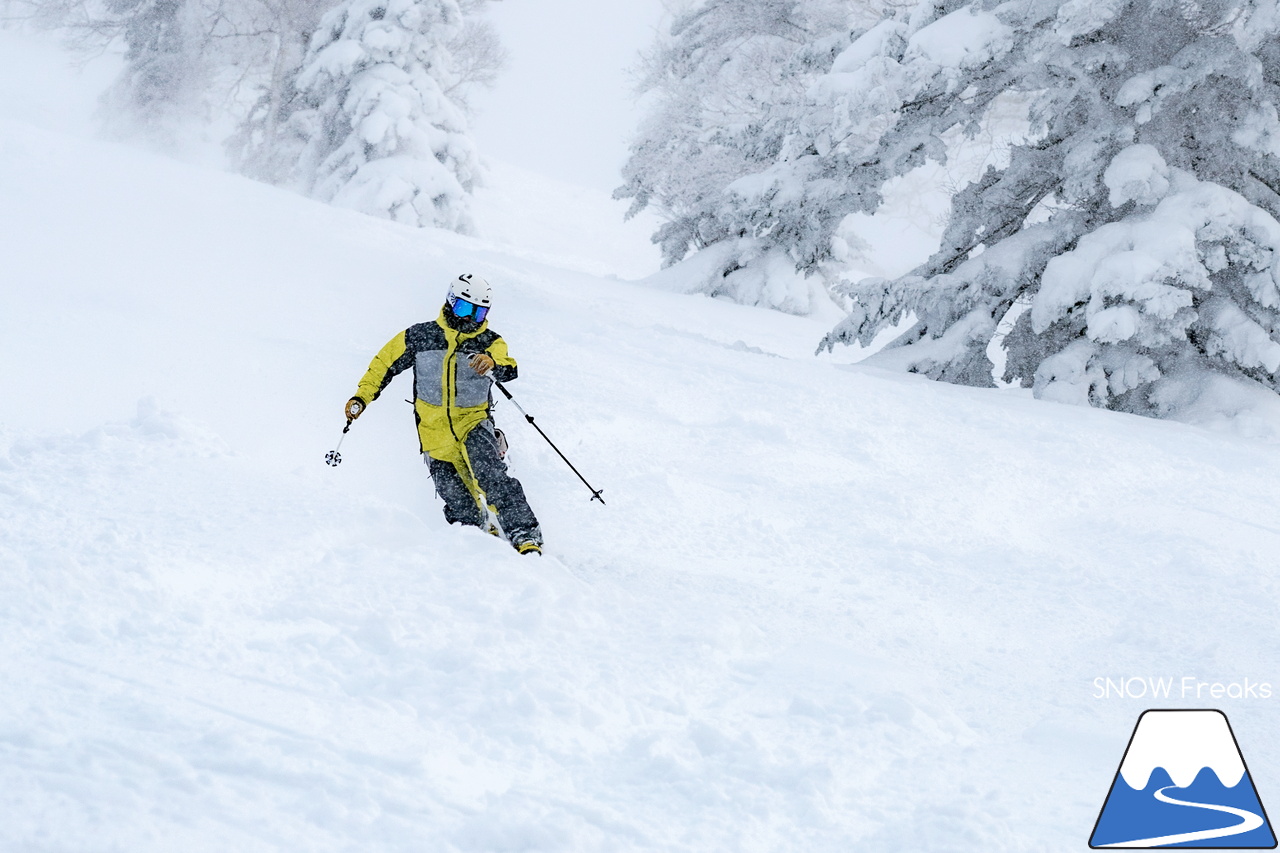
[354,407]
[481,363]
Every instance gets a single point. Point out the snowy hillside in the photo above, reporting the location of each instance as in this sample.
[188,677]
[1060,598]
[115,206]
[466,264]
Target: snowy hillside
[826,607]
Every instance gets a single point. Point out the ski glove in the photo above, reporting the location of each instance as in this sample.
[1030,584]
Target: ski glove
[481,363]
[354,407]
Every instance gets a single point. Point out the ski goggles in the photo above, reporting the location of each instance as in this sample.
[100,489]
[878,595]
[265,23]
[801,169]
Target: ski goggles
[462,309]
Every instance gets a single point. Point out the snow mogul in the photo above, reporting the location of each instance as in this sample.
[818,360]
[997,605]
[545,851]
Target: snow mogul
[454,359]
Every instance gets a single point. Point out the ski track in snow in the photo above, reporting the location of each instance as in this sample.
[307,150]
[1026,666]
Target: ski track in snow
[826,607]
[1248,822]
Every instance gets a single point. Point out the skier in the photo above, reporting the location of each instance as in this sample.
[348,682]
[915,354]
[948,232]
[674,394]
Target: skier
[453,358]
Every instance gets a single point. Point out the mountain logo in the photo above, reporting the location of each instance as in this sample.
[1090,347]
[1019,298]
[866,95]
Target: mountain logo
[1183,783]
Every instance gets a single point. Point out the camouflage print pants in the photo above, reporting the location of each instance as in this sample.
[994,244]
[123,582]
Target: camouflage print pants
[503,491]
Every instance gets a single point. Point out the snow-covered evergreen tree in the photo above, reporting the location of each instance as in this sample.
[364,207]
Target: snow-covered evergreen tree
[1135,229]
[269,143]
[363,105]
[382,133]
[164,74]
[726,83]
[187,62]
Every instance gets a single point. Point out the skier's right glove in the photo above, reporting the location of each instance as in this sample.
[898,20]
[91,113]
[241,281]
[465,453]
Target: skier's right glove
[354,407]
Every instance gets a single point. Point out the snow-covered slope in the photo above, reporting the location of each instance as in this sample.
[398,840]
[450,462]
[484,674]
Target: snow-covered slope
[825,608]
[537,218]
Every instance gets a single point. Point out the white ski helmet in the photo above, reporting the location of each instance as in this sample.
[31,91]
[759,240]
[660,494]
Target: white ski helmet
[470,297]
[472,288]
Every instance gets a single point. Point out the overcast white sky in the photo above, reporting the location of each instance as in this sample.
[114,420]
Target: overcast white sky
[564,105]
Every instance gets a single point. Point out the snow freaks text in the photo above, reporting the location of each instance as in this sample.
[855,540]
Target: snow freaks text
[1186,687]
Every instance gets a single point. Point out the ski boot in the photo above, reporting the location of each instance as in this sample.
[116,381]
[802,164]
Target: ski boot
[527,541]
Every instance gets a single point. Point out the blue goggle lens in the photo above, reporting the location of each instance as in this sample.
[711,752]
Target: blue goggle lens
[462,309]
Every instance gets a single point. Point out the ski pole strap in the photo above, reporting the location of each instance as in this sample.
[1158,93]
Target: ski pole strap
[595,493]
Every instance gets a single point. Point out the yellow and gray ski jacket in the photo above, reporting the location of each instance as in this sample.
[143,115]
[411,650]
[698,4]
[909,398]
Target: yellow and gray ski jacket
[450,399]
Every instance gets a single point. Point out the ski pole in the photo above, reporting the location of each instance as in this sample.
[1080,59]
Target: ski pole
[333,458]
[595,493]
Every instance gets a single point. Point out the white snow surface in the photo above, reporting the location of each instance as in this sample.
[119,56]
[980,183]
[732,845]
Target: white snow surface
[1138,173]
[532,217]
[826,607]
[1183,743]
[962,39]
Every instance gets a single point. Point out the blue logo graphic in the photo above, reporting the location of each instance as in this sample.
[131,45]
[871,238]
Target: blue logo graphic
[1183,783]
